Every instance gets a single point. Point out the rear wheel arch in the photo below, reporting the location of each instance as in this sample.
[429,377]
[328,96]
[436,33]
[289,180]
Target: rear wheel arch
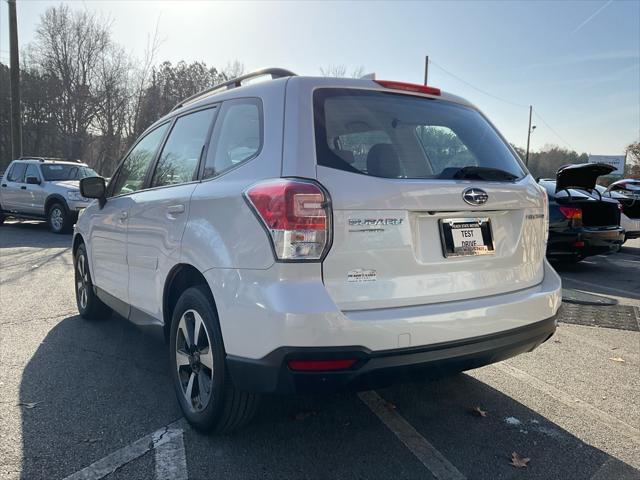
[181,277]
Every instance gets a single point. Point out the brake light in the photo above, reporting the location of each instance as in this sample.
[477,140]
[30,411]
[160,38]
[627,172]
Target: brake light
[410,87]
[571,213]
[296,214]
[320,365]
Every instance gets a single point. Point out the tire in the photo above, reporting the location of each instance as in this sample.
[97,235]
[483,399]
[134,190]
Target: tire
[90,306]
[1,218]
[200,365]
[59,218]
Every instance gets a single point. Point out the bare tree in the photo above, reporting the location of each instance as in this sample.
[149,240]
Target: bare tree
[68,47]
[233,70]
[341,71]
[142,77]
[112,100]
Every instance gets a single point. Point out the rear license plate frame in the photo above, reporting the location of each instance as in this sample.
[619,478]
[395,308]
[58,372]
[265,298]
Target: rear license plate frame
[447,225]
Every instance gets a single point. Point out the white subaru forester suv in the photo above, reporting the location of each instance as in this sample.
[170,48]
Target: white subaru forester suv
[318,234]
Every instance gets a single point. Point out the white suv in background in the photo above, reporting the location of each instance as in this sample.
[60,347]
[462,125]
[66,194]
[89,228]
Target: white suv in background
[318,234]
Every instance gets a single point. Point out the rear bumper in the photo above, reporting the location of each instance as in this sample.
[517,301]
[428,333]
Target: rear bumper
[631,226]
[584,241]
[271,373]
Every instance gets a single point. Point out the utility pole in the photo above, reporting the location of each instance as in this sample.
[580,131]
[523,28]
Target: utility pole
[526,160]
[426,69]
[16,117]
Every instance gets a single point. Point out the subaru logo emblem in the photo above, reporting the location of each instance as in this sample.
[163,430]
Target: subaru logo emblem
[475,196]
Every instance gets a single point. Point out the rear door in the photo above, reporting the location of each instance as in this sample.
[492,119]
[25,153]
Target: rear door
[12,191]
[429,203]
[158,215]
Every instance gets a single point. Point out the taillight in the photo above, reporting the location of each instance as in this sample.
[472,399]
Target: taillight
[571,213]
[296,213]
[409,87]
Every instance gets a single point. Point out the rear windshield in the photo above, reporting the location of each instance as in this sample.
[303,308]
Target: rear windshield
[402,136]
[54,172]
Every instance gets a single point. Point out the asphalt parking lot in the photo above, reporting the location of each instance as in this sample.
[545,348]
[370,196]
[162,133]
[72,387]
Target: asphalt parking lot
[93,400]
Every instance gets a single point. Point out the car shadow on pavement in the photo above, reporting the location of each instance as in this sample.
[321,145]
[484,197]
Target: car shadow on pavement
[31,234]
[91,387]
[94,387]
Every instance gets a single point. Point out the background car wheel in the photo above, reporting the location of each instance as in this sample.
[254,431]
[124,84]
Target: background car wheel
[206,394]
[1,218]
[59,219]
[89,305]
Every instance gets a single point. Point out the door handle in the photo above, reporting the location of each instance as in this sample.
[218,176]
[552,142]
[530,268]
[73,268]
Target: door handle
[23,187]
[4,184]
[175,209]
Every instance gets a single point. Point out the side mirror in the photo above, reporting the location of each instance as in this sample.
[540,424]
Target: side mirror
[33,181]
[94,187]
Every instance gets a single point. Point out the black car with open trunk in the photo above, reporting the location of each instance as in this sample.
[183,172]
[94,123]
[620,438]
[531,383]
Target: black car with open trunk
[582,222]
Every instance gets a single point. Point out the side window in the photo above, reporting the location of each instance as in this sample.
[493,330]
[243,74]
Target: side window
[237,136]
[130,176]
[32,171]
[181,153]
[17,172]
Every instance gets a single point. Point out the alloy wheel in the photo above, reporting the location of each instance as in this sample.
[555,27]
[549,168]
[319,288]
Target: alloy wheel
[82,281]
[57,218]
[194,360]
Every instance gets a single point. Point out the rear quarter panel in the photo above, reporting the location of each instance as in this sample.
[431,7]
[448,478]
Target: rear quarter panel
[222,230]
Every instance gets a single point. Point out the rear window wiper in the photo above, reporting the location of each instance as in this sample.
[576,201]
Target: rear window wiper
[483,173]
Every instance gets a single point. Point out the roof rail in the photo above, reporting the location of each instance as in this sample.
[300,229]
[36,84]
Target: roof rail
[48,159]
[237,82]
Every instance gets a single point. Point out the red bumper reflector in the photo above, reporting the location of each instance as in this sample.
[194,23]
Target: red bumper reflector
[579,243]
[320,365]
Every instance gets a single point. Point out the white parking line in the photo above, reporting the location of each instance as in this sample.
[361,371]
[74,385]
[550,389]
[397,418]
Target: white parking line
[574,403]
[171,461]
[169,449]
[431,458]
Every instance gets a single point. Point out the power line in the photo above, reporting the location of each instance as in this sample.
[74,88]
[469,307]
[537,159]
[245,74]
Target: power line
[551,128]
[476,88]
[502,100]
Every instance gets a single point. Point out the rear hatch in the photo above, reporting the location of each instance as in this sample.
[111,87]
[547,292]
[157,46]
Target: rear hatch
[429,203]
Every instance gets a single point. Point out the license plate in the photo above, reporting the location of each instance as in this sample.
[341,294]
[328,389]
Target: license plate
[466,236]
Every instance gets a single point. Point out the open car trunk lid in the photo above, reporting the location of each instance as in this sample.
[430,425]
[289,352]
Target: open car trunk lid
[582,175]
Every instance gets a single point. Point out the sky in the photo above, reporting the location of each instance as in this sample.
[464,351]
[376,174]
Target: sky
[577,63]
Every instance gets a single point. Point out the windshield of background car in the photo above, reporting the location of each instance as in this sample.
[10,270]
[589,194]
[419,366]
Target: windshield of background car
[55,172]
[392,135]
